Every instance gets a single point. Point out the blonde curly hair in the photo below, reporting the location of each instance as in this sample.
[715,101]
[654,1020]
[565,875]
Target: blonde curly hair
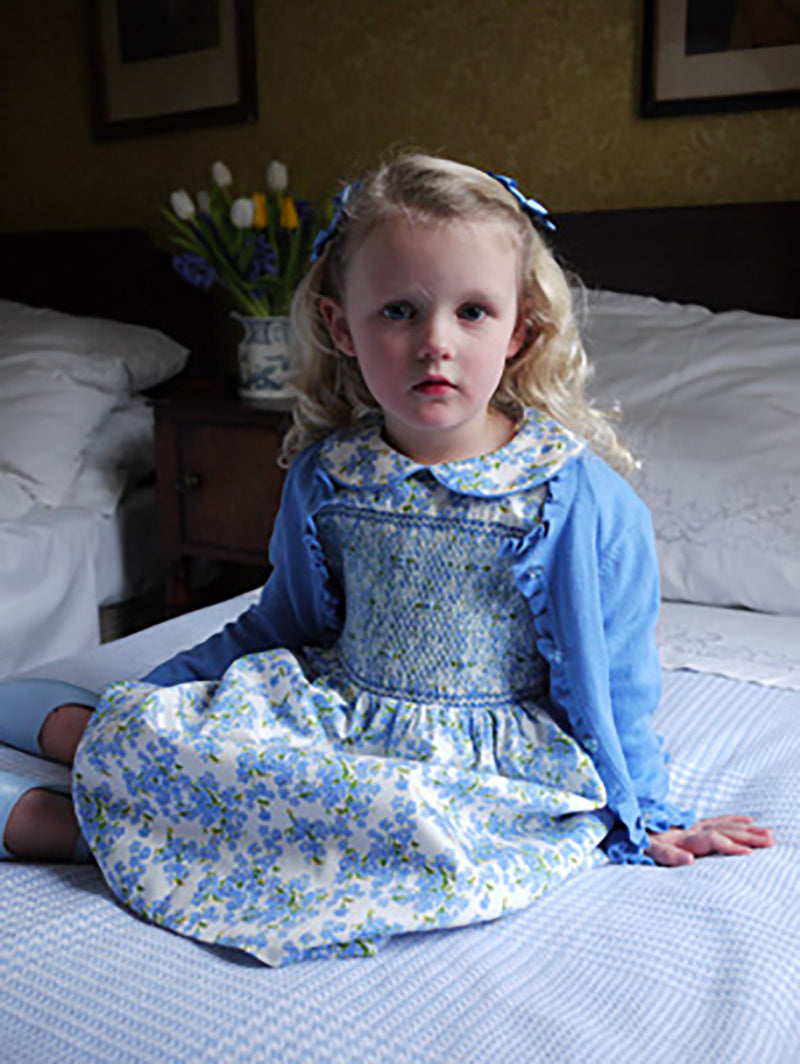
[550,370]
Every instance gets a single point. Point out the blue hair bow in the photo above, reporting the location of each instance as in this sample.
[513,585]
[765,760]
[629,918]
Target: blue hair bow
[325,235]
[532,207]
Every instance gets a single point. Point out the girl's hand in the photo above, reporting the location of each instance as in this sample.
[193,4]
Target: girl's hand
[729,835]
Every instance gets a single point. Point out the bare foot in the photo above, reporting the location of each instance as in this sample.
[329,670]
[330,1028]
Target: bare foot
[62,730]
[42,826]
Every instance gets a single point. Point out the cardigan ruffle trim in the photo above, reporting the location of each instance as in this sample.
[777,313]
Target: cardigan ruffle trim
[529,557]
[331,605]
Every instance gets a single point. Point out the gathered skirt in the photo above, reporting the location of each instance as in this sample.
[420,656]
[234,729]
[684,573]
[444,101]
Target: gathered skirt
[285,812]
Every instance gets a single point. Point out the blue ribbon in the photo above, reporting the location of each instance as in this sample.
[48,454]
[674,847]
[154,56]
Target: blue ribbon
[532,207]
[325,235]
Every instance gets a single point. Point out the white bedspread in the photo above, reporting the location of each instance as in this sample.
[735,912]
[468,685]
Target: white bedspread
[757,647]
[621,964]
[57,566]
[48,586]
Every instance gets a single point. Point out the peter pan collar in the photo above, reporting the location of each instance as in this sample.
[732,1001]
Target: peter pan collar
[361,459]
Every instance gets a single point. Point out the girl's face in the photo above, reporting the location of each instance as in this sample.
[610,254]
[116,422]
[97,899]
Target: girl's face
[431,313]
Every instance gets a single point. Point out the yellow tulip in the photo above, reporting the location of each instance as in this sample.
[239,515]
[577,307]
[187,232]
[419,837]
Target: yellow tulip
[260,214]
[289,219]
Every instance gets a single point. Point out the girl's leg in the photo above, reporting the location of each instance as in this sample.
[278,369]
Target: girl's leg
[25,705]
[42,826]
[62,730]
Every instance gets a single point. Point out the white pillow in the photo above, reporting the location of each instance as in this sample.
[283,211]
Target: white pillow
[46,419]
[121,451]
[15,498]
[104,354]
[711,404]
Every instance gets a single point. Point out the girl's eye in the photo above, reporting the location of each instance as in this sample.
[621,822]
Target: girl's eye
[472,312]
[397,311]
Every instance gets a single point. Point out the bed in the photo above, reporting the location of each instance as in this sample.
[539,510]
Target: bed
[89,323]
[620,963]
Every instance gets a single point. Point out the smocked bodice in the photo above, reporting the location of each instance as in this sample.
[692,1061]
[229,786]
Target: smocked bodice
[433,611]
[419,556]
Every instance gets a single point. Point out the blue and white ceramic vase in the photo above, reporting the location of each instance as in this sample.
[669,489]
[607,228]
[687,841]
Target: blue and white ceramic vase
[263,356]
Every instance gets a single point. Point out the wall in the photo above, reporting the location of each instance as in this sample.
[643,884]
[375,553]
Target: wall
[544,89]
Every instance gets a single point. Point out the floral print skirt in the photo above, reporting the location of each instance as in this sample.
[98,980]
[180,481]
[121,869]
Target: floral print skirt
[284,812]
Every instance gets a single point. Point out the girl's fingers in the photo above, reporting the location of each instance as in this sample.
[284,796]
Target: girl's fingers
[729,836]
[668,856]
[753,837]
[715,842]
[739,829]
[727,820]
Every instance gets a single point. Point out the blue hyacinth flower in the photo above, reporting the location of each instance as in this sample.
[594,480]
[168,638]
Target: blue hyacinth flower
[194,269]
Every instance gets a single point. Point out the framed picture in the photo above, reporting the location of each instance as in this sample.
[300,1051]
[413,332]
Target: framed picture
[163,65]
[719,55]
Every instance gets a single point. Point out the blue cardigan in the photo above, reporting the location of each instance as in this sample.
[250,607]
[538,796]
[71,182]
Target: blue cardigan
[589,573]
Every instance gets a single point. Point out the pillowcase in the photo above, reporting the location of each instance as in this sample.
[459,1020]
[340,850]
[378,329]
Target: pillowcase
[121,451]
[46,419]
[710,404]
[111,355]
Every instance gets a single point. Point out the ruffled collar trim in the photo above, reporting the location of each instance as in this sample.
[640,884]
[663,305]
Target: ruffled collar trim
[362,459]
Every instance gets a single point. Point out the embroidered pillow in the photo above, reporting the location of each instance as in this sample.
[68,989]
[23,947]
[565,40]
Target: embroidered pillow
[711,404]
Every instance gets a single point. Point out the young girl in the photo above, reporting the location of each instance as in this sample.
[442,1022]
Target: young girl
[441,705]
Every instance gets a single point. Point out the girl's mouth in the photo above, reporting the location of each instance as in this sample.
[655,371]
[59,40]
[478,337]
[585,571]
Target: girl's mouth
[434,386]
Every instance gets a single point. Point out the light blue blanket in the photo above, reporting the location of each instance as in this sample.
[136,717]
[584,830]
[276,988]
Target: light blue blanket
[623,964]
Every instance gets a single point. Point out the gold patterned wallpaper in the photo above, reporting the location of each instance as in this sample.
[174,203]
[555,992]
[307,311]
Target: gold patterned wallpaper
[546,90]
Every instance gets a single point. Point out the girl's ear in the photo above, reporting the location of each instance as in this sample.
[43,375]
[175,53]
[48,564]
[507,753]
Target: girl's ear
[336,322]
[521,333]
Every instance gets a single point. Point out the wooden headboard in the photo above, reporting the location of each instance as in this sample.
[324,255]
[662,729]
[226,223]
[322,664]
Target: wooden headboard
[108,273]
[724,257]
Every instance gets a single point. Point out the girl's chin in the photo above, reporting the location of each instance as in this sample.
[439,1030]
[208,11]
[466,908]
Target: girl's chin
[438,436]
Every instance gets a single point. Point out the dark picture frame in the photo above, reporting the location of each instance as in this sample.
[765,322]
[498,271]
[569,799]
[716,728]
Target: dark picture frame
[158,66]
[697,58]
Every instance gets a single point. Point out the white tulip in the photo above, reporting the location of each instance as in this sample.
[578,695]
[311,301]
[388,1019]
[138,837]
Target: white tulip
[277,177]
[182,204]
[203,202]
[221,174]
[243,212]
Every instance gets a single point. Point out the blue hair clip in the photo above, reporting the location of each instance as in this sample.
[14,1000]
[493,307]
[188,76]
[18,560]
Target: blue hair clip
[532,207]
[325,235]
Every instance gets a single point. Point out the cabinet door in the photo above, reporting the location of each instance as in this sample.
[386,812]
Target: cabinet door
[229,485]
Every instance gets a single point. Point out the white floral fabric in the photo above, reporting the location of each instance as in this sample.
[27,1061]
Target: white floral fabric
[538,450]
[406,778]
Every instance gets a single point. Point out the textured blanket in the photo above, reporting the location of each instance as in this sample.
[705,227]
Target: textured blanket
[620,963]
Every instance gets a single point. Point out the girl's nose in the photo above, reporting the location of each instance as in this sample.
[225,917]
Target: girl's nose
[435,342]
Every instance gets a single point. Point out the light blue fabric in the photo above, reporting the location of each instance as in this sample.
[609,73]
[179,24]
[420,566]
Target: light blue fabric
[587,569]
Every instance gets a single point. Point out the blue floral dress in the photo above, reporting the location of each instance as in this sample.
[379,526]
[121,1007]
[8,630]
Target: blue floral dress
[407,777]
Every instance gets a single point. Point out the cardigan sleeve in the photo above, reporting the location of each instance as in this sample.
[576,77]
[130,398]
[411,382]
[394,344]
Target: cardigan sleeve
[594,592]
[630,596]
[296,607]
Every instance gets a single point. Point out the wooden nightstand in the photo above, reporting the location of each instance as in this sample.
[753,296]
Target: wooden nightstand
[218,488]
